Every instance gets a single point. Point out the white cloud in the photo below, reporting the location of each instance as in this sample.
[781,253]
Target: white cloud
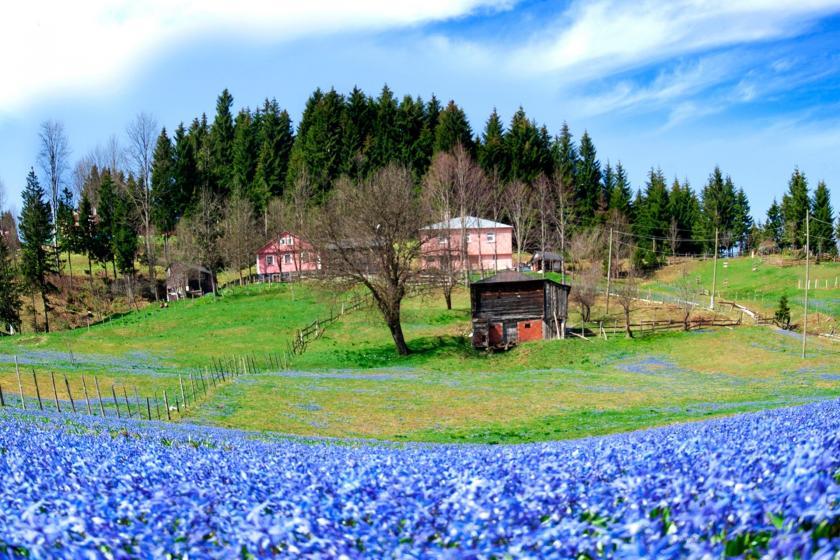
[601,36]
[57,46]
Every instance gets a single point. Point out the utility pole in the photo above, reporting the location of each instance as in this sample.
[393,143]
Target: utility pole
[714,273]
[807,279]
[609,271]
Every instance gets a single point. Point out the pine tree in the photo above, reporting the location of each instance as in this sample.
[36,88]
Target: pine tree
[104,242]
[684,209]
[385,138]
[276,139]
[87,234]
[822,226]
[124,239]
[795,207]
[654,218]
[356,125]
[184,178]
[66,231]
[244,162]
[221,144]
[717,205]
[565,160]
[36,232]
[621,194]
[587,180]
[411,121]
[10,291]
[452,129]
[318,146]
[167,204]
[742,221]
[492,152]
[774,227]
[527,148]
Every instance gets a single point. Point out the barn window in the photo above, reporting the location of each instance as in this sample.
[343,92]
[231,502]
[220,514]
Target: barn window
[269,260]
[527,325]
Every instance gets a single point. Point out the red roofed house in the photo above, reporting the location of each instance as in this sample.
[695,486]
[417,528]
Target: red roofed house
[489,244]
[285,257]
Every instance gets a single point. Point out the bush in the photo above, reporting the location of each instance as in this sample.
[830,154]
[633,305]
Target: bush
[782,316]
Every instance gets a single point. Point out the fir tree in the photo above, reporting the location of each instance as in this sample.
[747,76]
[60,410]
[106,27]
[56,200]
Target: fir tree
[742,221]
[621,194]
[66,231]
[684,209]
[165,191]
[125,238]
[527,150]
[244,161]
[565,161]
[452,129]
[276,139]
[318,146]
[184,177]
[36,232]
[782,314]
[654,219]
[822,225]
[492,152]
[356,126]
[774,227]
[587,180]
[87,234]
[104,242]
[717,205]
[795,207]
[411,122]
[10,291]
[221,144]
[385,141]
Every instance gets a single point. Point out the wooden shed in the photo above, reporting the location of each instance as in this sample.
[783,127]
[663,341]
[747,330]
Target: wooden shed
[187,280]
[511,307]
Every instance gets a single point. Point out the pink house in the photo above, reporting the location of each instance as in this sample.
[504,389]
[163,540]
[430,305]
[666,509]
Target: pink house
[286,256]
[488,244]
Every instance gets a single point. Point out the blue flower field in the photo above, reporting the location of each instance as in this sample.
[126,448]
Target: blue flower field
[756,485]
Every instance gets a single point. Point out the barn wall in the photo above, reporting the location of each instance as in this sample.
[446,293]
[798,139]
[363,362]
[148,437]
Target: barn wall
[503,302]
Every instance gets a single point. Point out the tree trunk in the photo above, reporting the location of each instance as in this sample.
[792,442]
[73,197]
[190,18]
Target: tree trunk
[90,274]
[447,295]
[34,314]
[70,264]
[627,332]
[46,309]
[397,334]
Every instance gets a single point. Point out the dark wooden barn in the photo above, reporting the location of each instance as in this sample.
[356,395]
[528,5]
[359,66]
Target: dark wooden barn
[187,280]
[511,307]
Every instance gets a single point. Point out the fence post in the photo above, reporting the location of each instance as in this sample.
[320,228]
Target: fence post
[183,394]
[157,405]
[55,391]
[166,404]
[2,400]
[99,396]
[87,398]
[20,385]
[148,408]
[37,390]
[127,404]
[69,394]
[192,382]
[116,402]
[212,377]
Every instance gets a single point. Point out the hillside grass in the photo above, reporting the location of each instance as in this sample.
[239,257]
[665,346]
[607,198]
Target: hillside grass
[351,383]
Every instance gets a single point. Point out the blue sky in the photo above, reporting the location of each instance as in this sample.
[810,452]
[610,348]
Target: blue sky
[752,87]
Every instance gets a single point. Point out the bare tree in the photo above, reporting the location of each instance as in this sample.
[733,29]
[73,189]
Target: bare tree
[520,208]
[585,290]
[674,237]
[142,133]
[238,242]
[198,234]
[685,298]
[53,156]
[544,203]
[563,196]
[627,292]
[367,234]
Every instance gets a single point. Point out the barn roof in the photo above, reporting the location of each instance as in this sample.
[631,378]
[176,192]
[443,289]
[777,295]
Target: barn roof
[512,277]
[470,222]
[548,255]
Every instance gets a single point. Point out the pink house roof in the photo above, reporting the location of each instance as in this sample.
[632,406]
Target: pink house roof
[469,222]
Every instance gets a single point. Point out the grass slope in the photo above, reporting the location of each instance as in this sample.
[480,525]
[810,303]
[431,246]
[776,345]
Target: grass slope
[350,383]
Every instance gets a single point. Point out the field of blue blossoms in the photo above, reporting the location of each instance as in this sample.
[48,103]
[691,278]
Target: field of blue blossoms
[755,485]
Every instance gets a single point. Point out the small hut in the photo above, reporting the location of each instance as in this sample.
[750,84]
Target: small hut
[553,262]
[511,307]
[187,281]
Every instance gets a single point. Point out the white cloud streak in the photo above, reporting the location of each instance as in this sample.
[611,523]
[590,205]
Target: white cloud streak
[59,46]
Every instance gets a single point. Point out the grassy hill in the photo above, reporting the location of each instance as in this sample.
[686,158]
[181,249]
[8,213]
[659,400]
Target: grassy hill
[350,383]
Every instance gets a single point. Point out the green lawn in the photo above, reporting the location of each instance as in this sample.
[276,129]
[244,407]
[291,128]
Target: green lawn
[350,383]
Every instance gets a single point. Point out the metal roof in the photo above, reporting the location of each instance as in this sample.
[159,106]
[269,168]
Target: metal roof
[469,222]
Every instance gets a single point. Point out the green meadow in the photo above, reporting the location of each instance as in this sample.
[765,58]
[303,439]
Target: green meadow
[350,383]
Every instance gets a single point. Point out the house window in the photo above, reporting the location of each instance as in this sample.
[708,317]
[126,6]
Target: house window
[491,237]
[282,241]
[289,240]
[442,240]
[287,258]
[304,256]
[469,238]
[269,260]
